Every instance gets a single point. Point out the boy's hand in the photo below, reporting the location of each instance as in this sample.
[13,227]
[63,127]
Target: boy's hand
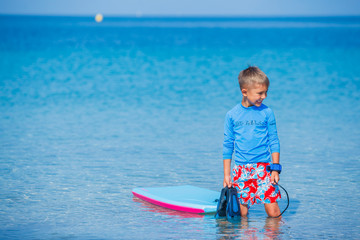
[227,181]
[274,178]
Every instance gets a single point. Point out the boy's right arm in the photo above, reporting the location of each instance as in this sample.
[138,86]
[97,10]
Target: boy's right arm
[227,175]
[228,149]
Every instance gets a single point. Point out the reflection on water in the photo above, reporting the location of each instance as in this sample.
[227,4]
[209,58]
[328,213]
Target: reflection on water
[272,227]
[245,230]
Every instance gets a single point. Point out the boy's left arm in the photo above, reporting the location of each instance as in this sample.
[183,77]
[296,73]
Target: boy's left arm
[274,174]
[274,146]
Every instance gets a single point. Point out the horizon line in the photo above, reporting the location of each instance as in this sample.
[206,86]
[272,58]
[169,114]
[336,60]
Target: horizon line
[177,15]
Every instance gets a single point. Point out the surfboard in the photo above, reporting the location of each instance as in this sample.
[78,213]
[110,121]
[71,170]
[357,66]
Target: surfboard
[184,198]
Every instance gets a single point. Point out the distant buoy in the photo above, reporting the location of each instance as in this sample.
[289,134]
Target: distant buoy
[99,17]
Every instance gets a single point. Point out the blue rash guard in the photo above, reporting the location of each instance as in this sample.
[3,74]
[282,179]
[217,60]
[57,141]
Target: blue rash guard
[252,132]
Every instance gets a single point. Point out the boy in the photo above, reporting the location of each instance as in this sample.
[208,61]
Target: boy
[250,130]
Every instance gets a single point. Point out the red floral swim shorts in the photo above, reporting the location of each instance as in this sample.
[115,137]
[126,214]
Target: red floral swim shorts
[252,182]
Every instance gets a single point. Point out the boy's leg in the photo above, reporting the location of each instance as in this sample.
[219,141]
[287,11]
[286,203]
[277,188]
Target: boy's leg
[272,209]
[244,210]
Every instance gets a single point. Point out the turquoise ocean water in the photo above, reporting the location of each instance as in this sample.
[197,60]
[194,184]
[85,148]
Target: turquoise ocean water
[89,111]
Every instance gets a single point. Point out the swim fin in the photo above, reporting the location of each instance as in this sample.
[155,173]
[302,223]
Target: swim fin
[222,203]
[233,204]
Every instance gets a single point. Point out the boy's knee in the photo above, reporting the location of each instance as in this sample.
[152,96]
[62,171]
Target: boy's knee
[272,209]
[244,210]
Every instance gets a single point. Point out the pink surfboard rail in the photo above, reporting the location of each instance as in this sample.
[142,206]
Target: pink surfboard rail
[168,205]
[185,198]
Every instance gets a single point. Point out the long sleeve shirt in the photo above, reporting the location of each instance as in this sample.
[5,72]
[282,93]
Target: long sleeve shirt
[250,132]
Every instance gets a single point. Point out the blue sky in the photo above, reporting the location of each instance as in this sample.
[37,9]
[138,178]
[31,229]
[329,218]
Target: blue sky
[183,7]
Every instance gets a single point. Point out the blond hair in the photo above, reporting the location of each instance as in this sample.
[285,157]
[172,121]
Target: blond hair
[251,76]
